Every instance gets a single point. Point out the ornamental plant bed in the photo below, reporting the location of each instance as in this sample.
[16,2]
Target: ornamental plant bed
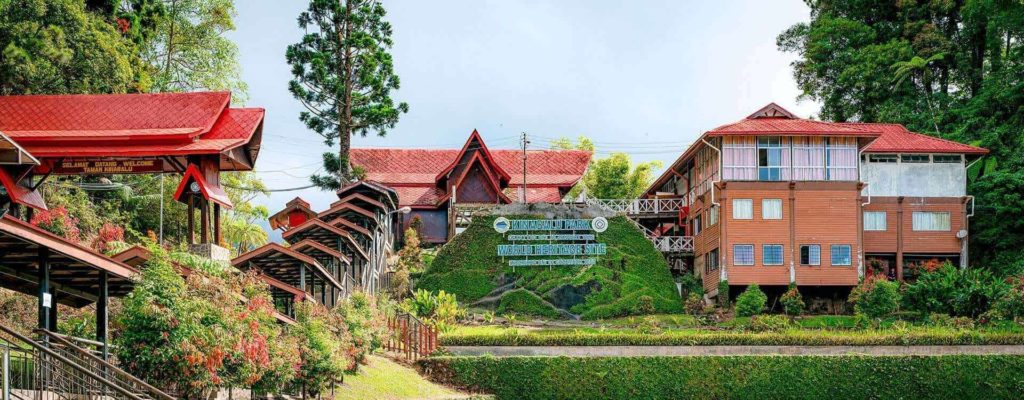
[734,377]
[917,336]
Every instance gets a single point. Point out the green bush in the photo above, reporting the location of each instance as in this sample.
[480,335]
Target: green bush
[691,283]
[751,302]
[440,310]
[524,302]
[734,377]
[468,267]
[1011,305]
[792,301]
[875,298]
[958,292]
[723,294]
[768,323]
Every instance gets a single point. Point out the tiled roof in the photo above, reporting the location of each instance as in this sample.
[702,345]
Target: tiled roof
[897,139]
[788,126]
[542,194]
[129,124]
[413,172]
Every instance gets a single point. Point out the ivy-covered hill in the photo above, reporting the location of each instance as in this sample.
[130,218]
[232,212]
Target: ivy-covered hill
[632,278]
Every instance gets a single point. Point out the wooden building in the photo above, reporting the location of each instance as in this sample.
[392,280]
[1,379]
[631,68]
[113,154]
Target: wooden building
[773,199]
[439,184]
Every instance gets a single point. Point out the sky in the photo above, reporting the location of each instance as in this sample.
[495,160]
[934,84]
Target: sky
[642,77]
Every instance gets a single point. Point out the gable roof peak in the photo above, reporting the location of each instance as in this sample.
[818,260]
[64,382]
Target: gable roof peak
[772,110]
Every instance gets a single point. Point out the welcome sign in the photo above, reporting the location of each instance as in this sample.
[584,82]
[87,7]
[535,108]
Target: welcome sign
[575,238]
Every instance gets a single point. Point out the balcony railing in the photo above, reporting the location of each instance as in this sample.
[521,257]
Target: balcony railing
[673,244]
[641,206]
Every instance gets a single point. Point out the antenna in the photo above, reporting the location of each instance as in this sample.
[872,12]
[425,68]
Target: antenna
[525,141]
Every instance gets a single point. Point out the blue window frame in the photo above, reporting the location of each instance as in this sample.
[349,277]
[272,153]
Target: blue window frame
[771,254]
[769,158]
[743,254]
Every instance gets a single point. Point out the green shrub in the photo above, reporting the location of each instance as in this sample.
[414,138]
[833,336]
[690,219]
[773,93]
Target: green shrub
[644,305]
[723,294]
[691,284]
[931,337]
[440,310]
[875,297]
[946,321]
[751,302]
[958,292]
[694,304]
[1011,304]
[792,301]
[734,377]
[524,302]
[768,323]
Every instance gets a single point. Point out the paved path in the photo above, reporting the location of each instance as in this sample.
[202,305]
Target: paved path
[641,351]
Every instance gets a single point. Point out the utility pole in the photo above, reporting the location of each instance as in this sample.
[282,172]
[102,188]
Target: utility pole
[525,142]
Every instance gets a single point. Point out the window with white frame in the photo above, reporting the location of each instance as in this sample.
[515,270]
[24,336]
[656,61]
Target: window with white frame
[841,159]
[770,163]
[808,158]
[946,158]
[697,227]
[742,209]
[810,254]
[712,215]
[743,254]
[771,209]
[874,221]
[739,158]
[841,254]
[771,254]
[930,221]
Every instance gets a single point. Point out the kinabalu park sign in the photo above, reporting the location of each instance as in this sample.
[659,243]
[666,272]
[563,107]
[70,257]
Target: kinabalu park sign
[564,237]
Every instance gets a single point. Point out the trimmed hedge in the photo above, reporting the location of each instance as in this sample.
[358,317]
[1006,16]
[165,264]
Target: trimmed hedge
[712,338]
[734,377]
[469,267]
[524,302]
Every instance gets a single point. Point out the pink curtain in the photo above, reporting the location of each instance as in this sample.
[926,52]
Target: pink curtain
[842,159]
[739,158]
[808,159]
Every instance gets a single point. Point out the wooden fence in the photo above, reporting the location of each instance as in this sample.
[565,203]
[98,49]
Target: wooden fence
[410,337]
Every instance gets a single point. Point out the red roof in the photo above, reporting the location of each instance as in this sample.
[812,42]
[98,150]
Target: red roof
[417,175]
[897,139]
[412,172]
[174,124]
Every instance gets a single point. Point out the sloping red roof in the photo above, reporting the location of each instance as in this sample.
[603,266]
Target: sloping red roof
[413,173]
[787,126]
[897,139]
[173,124]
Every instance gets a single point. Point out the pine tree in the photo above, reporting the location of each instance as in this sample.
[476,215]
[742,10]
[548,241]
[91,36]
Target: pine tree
[343,76]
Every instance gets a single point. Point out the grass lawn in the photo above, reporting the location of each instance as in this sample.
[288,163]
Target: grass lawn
[386,379]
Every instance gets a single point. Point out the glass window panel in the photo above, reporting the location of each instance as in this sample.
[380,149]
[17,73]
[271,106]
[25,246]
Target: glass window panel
[771,209]
[742,209]
[772,254]
[931,221]
[810,254]
[743,254]
[915,158]
[946,158]
[841,254]
[874,221]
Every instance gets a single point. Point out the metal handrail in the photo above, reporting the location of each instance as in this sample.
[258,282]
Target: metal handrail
[111,367]
[65,361]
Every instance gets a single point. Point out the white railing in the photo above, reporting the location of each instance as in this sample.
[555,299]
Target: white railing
[641,206]
[673,244]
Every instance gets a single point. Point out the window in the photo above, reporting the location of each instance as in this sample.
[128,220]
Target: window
[874,221]
[946,158]
[915,158]
[771,209]
[769,158]
[696,225]
[743,254]
[930,221]
[712,215]
[742,209]
[883,158]
[771,254]
[841,254]
[841,159]
[711,261]
[810,254]
[808,158]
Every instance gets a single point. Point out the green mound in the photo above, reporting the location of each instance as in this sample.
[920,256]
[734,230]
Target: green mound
[525,302]
[618,285]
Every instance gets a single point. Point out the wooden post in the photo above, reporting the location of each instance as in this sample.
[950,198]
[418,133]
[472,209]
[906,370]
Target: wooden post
[102,314]
[44,286]
[302,277]
[191,219]
[204,219]
[217,238]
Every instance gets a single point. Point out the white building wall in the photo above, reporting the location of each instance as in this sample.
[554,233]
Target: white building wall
[914,179]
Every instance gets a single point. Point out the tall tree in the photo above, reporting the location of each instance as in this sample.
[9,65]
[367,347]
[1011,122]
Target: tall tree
[188,50]
[58,47]
[612,177]
[953,69]
[343,76]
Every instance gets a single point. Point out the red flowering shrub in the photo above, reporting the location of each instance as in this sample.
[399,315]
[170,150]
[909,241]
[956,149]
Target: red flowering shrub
[108,233]
[58,222]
